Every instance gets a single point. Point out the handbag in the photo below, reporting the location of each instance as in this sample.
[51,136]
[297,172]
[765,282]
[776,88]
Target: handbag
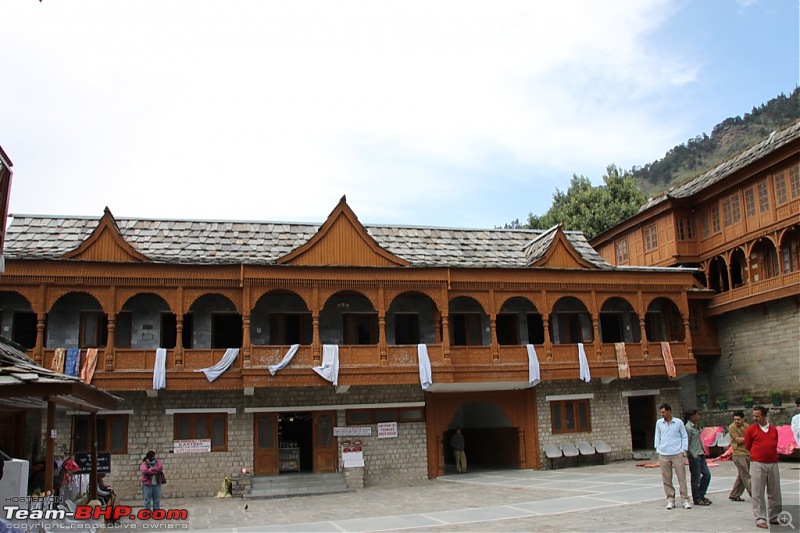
[162,479]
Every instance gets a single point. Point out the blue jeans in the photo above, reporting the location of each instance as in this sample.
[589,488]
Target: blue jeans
[701,477]
[152,496]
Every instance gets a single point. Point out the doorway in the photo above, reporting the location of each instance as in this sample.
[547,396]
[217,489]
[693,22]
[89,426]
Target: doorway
[295,443]
[642,411]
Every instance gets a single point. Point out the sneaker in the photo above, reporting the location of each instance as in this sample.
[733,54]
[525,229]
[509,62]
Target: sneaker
[687,505]
[670,505]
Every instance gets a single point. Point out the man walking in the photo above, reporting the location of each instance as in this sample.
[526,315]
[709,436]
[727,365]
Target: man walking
[672,444]
[741,458]
[457,443]
[761,438]
[701,475]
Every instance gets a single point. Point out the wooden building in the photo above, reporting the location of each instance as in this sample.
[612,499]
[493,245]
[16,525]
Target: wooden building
[739,224]
[485,305]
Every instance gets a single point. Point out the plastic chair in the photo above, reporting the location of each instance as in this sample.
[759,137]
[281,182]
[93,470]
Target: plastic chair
[602,448]
[552,452]
[569,450]
[585,448]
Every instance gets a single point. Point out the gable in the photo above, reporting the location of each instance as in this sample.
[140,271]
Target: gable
[561,254]
[342,241]
[106,243]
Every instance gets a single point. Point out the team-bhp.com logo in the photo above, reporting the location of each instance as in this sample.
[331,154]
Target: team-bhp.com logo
[118,513]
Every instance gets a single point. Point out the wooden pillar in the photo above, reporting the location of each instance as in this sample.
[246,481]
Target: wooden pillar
[688,337]
[93,451]
[445,338]
[246,341]
[383,347]
[598,345]
[495,344]
[643,333]
[50,445]
[38,351]
[316,348]
[111,342]
[179,342]
[548,344]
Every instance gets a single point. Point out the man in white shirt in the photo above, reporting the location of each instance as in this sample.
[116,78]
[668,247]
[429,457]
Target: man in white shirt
[672,443]
[796,423]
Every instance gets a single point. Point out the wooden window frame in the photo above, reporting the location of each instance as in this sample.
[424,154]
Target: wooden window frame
[513,329]
[622,251]
[349,319]
[209,425]
[736,208]
[781,193]
[750,202]
[706,225]
[364,417]
[715,226]
[763,197]
[104,442]
[470,321]
[559,411]
[100,338]
[279,328]
[650,238]
[794,181]
[413,332]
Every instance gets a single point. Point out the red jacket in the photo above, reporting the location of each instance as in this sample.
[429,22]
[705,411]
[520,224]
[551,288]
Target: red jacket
[763,446]
[148,472]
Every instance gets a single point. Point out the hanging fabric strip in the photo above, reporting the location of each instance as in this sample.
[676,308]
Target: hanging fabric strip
[160,370]
[330,363]
[534,374]
[584,375]
[72,365]
[666,353]
[89,365]
[273,369]
[213,372]
[58,360]
[622,360]
[425,377]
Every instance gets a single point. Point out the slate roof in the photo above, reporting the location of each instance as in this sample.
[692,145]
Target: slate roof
[235,242]
[775,141]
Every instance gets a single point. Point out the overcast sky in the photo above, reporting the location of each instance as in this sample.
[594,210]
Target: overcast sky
[434,113]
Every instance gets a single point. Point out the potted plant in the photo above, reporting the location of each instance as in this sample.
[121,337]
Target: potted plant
[747,400]
[702,394]
[722,403]
[776,396]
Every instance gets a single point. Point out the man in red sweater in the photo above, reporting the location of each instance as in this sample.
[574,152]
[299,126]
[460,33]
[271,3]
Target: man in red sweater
[761,438]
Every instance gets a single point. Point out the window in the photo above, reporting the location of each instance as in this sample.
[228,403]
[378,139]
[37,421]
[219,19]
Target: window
[684,230]
[622,251]
[123,329]
[570,416]
[780,189]
[23,330]
[507,326]
[466,330]
[706,225]
[290,328]
[169,331]
[93,329]
[736,208]
[212,426]
[535,328]
[727,216]
[360,328]
[763,197]
[570,328]
[112,433]
[715,219]
[361,417]
[794,181]
[650,238]
[406,328]
[750,202]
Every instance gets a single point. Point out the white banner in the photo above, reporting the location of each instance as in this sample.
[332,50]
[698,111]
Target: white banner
[191,446]
[352,431]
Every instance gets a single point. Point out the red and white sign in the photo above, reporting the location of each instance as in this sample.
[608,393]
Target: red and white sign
[387,430]
[191,446]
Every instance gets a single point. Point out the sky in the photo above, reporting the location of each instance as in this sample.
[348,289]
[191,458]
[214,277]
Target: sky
[428,113]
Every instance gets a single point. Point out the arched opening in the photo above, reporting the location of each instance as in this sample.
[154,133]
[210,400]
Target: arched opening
[738,268]
[519,322]
[76,320]
[412,318]
[619,322]
[145,322]
[718,275]
[663,321]
[348,318]
[790,250]
[215,323]
[763,260]
[281,318]
[17,316]
[570,322]
[469,323]
[491,439]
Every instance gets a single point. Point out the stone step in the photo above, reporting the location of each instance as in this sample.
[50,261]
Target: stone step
[296,485]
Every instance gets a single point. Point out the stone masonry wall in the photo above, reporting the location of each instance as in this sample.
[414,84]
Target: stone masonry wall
[610,417]
[760,351]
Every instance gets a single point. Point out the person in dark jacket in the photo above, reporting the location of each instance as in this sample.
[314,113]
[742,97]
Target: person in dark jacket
[457,443]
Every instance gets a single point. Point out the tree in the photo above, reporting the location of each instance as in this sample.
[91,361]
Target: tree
[592,210]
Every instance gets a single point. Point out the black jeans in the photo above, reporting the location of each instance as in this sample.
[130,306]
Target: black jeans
[701,477]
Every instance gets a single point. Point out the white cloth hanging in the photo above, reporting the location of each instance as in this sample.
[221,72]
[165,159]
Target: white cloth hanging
[160,369]
[273,369]
[330,363]
[534,374]
[425,377]
[213,372]
[584,375]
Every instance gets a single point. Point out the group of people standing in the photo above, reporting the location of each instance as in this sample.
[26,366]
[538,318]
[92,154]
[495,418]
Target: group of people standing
[754,453]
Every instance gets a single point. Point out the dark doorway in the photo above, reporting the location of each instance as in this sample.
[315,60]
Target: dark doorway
[24,329]
[642,410]
[226,330]
[611,327]
[295,443]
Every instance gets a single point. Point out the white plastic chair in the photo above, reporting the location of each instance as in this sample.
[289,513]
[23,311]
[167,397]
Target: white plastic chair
[569,450]
[602,448]
[552,452]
